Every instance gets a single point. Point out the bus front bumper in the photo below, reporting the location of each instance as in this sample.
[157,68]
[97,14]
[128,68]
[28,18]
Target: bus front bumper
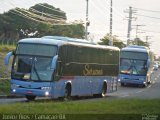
[137,82]
[32,92]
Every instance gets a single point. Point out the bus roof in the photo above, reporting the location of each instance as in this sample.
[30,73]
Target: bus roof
[136,46]
[136,49]
[68,39]
[59,41]
[41,41]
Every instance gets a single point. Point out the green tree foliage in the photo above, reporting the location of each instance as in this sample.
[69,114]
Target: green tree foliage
[39,20]
[116,42]
[140,42]
[48,11]
[75,31]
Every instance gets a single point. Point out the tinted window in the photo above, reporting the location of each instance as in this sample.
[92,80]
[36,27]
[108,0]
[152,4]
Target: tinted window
[134,55]
[36,49]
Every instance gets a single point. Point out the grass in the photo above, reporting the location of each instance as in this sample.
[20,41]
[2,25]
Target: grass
[5,70]
[6,48]
[93,109]
[5,87]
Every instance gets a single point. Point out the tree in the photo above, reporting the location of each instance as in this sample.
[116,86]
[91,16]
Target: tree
[75,31]
[39,20]
[140,42]
[116,42]
[48,11]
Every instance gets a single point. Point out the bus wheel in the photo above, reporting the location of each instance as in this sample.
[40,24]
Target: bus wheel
[150,79]
[122,84]
[30,97]
[145,85]
[104,90]
[67,94]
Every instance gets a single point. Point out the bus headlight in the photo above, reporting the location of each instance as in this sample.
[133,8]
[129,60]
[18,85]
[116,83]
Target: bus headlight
[46,88]
[14,90]
[46,93]
[14,85]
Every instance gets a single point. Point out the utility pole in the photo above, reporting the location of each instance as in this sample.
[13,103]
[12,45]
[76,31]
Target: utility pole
[87,22]
[130,18]
[136,37]
[111,24]
[138,29]
[147,38]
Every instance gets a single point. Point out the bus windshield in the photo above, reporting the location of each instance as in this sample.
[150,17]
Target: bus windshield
[36,49]
[132,55]
[133,67]
[33,64]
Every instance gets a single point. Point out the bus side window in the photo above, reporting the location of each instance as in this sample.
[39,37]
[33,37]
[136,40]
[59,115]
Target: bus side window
[59,69]
[60,62]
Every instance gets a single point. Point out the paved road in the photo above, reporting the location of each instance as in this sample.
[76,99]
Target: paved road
[150,92]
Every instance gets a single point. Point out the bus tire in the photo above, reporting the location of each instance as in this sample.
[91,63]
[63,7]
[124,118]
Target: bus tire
[146,84]
[122,84]
[67,94]
[150,79]
[30,97]
[147,81]
[103,91]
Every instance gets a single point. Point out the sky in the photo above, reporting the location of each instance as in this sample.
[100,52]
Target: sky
[147,14]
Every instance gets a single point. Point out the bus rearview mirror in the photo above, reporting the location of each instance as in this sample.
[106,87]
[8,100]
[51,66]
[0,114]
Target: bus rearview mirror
[148,63]
[54,62]
[8,56]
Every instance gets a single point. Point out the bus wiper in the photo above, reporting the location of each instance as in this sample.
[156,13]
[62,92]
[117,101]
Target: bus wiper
[36,72]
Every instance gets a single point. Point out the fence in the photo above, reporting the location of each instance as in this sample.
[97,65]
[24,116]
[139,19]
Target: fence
[8,42]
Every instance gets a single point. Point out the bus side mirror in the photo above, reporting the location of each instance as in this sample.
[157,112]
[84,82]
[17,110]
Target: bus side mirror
[8,56]
[54,62]
[148,63]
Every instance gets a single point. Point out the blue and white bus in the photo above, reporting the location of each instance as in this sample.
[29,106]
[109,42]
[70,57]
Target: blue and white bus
[61,67]
[136,65]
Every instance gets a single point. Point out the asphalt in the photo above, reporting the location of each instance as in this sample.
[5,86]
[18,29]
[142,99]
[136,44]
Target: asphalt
[10,96]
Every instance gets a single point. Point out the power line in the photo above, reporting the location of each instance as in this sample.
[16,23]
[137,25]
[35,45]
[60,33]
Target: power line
[51,8]
[47,14]
[38,17]
[147,10]
[137,26]
[25,16]
[19,13]
[41,21]
[147,16]
[130,18]
[97,23]
[149,31]
[114,9]
[100,10]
